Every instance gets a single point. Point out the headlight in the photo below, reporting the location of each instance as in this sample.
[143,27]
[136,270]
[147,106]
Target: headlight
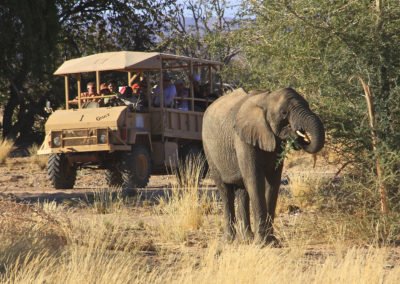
[56,139]
[102,136]
[102,139]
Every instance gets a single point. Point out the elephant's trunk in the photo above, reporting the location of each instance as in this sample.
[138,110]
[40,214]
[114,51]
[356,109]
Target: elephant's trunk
[310,131]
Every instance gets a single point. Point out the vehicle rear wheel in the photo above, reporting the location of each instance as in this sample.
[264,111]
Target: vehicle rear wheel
[114,177]
[136,168]
[62,175]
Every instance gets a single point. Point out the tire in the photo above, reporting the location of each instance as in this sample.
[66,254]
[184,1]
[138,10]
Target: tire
[136,168]
[114,177]
[61,174]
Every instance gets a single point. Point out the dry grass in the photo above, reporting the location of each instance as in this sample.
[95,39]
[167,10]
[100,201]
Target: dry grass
[252,264]
[217,264]
[39,160]
[304,187]
[107,239]
[6,147]
[184,209]
[107,200]
[28,230]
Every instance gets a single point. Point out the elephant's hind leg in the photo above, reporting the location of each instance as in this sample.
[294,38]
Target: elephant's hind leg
[243,206]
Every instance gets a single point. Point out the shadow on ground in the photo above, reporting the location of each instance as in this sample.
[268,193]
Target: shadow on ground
[87,195]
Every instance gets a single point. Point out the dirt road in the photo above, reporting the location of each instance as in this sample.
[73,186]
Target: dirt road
[24,179]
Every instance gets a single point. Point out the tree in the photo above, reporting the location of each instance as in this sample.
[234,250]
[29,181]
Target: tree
[37,36]
[201,29]
[318,47]
[29,33]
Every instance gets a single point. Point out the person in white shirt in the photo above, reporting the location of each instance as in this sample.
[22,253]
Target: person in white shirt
[169,92]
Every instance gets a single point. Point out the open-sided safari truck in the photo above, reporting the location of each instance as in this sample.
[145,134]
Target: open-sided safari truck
[129,142]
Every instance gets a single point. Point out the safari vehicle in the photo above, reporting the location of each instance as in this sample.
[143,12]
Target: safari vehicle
[129,142]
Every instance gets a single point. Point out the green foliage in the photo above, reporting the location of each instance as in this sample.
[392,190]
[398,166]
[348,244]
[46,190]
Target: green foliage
[37,36]
[322,49]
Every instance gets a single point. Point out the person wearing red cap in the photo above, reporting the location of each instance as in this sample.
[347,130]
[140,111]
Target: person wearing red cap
[136,89]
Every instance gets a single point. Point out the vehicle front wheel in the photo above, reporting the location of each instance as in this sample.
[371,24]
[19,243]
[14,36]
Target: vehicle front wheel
[136,168]
[62,175]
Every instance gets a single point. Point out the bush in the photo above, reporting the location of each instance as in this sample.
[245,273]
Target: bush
[5,149]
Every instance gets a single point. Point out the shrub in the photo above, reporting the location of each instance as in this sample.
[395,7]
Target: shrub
[5,149]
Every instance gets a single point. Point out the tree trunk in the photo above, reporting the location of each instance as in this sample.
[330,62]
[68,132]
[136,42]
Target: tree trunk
[9,109]
[375,145]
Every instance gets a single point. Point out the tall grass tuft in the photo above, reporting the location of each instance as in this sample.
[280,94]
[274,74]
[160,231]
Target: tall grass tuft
[28,230]
[39,160]
[107,200]
[183,210]
[6,147]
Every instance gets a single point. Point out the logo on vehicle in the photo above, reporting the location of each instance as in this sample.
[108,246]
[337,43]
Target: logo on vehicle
[102,116]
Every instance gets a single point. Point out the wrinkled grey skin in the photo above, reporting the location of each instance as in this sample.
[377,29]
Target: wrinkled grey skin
[243,135]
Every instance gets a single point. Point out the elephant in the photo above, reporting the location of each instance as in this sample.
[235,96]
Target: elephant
[244,136]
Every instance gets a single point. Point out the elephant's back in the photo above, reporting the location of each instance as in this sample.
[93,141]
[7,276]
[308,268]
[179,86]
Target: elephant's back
[220,115]
[226,104]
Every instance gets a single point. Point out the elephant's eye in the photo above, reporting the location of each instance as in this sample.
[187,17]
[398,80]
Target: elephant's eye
[284,113]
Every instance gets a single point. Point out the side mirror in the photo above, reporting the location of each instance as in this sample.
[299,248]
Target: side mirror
[48,107]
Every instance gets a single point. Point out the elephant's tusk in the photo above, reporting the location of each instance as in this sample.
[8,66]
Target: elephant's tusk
[304,136]
[300,134]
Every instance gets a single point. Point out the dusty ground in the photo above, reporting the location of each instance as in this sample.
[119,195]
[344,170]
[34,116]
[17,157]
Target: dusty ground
[26,180]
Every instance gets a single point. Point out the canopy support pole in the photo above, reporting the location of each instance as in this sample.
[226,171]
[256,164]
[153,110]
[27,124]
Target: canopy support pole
[66,91]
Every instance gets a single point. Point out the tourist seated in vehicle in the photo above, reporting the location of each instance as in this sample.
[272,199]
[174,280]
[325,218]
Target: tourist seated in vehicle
[136,90]
[91,92]
[126,95]
[104,91]
[169,92]
[142,91]
[182,94]
[112,86]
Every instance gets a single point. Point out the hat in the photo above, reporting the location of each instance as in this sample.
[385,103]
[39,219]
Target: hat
[135,86]
[179,81]
[166,77]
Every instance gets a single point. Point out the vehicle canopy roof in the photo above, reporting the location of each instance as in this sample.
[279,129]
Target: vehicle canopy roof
[122,61]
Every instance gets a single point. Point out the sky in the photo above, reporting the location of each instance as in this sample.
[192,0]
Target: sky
[233,6]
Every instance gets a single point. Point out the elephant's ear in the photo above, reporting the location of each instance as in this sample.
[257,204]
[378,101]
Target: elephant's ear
[252,128]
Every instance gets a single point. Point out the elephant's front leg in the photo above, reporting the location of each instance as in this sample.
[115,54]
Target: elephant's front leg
[272,184]
[243,218]
[255,185]
[253,174]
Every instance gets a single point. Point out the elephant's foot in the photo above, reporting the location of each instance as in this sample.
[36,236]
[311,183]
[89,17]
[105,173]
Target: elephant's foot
[229,238]
[273,241]
[269,240]
[229,235]
[244,232]
[246,236]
